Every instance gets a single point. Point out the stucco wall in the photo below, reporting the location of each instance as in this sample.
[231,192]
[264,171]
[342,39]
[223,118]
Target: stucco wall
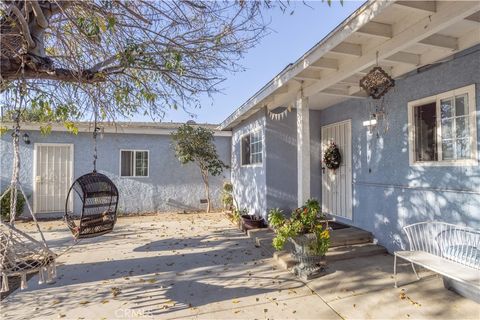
[281,156]
[169,187]
[281,147]
[388,193]
[249,181]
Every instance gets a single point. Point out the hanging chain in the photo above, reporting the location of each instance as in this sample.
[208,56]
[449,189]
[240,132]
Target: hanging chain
[95,132]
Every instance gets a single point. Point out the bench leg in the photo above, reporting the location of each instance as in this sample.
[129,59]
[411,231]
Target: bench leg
[415,271]
[395,269]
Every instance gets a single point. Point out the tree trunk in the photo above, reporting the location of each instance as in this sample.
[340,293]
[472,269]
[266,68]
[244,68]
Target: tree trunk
[207,190]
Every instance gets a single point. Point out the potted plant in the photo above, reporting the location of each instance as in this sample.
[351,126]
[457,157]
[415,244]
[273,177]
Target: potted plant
[252,221]
[307,231]
[227,197]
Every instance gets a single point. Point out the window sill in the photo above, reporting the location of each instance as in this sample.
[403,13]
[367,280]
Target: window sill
[251,165]
[139,177]
[453,163]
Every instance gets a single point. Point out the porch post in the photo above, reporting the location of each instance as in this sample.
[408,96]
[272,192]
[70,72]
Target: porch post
[303,148]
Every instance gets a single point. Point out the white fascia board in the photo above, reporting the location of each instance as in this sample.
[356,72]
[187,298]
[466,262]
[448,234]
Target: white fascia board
[358,19]
[111,128]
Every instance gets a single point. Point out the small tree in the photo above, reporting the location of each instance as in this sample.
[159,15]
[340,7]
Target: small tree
[195,144]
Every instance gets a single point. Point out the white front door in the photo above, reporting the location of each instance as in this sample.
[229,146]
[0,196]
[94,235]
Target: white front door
[53,174]
[337,184]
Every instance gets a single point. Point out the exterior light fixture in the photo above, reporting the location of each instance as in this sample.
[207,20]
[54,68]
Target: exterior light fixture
[26,138]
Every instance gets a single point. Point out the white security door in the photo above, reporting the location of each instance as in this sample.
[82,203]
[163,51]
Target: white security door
[53,176]
[337,184]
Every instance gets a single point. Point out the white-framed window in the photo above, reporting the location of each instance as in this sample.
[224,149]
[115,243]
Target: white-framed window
[252,148]
[442,129]
[134,163]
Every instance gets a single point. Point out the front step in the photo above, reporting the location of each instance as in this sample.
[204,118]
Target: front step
[354,251]
[349,236]
[347,243]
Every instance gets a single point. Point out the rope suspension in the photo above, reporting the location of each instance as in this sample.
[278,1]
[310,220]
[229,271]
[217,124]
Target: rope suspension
[20,253]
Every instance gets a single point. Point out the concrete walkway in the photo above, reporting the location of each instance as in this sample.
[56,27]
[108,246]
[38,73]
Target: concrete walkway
[199,266]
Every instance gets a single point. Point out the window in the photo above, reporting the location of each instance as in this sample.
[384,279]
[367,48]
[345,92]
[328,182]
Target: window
[252,148]
[134,163]
[443,128]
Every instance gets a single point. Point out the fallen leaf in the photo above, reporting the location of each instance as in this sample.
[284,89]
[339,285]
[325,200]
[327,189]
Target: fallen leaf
[115,291]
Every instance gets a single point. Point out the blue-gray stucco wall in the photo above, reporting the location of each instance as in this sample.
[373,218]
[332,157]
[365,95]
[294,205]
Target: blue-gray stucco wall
[388,193]
[281,159]
[169,187]
[249,181]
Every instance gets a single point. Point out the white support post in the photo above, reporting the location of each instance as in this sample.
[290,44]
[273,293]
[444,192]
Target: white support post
[303,149]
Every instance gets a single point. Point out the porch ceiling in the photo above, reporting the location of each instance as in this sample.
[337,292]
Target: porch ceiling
[404,34]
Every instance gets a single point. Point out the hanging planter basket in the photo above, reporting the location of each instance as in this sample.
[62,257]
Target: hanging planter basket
[332,157]
[377,83]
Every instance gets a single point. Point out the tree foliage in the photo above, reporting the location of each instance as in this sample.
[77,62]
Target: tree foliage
[196,144]
[126,57]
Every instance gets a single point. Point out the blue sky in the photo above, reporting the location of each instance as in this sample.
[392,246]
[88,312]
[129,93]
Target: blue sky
[291,36]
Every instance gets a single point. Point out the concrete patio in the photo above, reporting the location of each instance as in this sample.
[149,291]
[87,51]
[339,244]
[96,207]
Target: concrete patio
[200,266]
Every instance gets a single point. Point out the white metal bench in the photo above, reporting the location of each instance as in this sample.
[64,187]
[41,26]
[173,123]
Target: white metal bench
[450,250]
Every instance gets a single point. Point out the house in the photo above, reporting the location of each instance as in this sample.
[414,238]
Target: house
[410,156]
[137,157]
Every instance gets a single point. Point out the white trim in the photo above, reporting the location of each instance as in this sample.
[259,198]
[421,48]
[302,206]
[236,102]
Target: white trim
[303,149]
[473,161]
[119,128]
[72,168]
[412,31]
[134,163]
[354,22]
[250,133]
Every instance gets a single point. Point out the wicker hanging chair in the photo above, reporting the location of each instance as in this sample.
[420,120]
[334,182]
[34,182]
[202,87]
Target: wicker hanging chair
[99,198]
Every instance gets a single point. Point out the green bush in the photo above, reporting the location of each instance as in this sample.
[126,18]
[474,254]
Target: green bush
[306,219]
[227,196]
[5,205]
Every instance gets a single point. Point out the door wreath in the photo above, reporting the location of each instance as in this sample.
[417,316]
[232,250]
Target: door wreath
[332,157]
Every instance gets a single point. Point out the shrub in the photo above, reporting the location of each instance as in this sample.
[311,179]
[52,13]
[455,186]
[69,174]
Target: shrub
[5,205]
[306,219]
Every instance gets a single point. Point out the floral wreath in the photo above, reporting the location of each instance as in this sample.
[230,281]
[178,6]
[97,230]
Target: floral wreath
[332,157]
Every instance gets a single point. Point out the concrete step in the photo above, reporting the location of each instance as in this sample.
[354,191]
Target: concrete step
[354,251]
[286,260]
[253,233]
[349,236]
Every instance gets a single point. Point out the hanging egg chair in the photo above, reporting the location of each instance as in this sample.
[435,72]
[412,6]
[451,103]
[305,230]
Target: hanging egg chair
[99,198]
